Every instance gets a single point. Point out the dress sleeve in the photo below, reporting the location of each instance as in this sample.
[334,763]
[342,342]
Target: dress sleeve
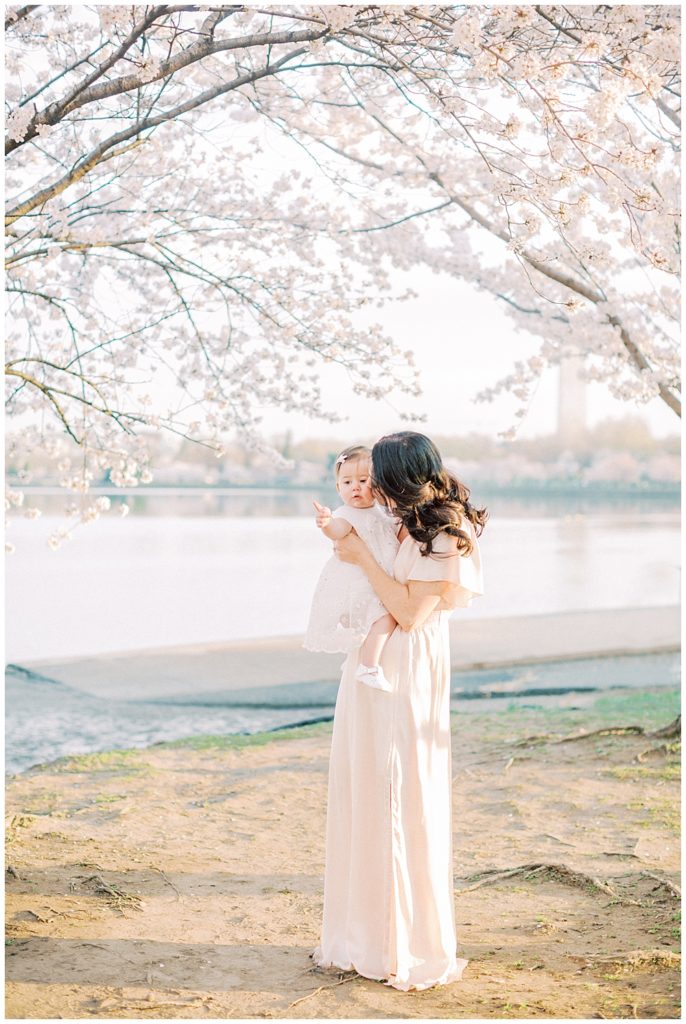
[344,512]
[463,571]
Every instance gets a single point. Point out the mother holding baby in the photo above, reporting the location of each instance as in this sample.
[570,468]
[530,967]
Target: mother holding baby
[388,884]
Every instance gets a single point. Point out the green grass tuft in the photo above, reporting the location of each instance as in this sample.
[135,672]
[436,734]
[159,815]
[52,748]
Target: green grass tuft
[240,740]
[128,759]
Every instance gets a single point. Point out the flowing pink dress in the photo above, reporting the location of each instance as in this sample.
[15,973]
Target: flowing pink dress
[388,882]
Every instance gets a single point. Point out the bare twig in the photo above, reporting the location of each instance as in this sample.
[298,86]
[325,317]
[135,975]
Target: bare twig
[322,988]
[167,880]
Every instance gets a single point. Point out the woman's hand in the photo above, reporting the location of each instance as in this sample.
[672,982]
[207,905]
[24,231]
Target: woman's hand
[351,549]
[409,603]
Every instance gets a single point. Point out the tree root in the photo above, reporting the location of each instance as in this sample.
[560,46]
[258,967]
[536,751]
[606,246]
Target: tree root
[643,755]
[611,730]
[559,872]
[667,732]
[43,920]
[669,886]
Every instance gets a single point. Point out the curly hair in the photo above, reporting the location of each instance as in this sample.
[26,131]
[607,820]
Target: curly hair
[407,469]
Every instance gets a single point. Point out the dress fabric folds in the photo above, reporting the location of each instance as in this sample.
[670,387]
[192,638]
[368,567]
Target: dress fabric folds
[388,883]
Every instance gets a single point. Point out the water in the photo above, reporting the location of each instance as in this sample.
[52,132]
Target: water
[245,565]
[185,569]
[74,722]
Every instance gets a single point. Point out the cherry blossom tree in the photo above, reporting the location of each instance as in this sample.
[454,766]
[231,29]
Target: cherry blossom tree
[210,195]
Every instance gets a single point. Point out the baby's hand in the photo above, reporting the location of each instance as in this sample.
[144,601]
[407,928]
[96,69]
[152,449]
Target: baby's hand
[323,516]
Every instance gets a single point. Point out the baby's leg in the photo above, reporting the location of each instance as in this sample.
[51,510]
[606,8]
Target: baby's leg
[378,634]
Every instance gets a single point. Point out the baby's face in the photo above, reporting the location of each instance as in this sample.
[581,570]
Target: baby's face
[354,483]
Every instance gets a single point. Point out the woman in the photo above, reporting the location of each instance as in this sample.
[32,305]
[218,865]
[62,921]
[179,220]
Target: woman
[388,885]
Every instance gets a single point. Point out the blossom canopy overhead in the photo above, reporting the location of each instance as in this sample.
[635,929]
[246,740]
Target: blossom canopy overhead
[531,150]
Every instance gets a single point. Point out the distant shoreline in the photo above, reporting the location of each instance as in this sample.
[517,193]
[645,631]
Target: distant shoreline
[574,489]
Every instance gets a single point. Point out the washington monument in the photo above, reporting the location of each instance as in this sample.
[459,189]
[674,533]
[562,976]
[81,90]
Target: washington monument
[571,408]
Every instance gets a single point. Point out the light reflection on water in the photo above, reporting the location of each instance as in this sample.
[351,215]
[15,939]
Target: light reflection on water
[194,569]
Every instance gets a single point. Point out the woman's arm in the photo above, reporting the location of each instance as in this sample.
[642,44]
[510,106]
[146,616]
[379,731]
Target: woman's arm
[409,603]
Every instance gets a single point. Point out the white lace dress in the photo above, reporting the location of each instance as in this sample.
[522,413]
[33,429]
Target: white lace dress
[344,605]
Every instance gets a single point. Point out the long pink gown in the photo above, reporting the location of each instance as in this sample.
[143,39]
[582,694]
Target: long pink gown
[388,883]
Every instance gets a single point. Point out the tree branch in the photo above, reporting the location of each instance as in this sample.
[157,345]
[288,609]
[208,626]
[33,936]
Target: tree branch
[101,152]
[47,391]
[635,354]
[84,95]
[15,16]
[69,102]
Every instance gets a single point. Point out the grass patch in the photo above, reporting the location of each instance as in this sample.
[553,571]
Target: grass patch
[660,812]
[18,821]
[237,741]
[665,772]
[128,760]
[41,804]
[666,812]
[650,708]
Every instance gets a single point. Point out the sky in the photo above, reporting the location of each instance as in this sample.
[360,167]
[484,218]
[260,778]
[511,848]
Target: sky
[463,341]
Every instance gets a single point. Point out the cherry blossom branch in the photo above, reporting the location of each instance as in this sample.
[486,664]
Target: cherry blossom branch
[102,151]
[573,284]
[86,92]
[16,16]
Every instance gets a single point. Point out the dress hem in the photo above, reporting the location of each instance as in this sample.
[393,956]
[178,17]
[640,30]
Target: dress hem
[321,961]
[453,973]
[450,975]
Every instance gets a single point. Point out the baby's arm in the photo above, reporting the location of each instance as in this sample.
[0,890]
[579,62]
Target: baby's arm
[334,529]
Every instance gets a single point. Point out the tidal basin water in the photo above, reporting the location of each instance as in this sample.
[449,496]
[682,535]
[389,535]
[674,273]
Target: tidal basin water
[47,719]
[185,568]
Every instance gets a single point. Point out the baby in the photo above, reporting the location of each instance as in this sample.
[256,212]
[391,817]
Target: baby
[346,613]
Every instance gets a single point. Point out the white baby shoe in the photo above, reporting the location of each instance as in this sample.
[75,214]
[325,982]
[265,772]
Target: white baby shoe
[373,676]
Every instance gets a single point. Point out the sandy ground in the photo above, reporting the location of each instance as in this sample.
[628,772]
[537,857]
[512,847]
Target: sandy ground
[185,880]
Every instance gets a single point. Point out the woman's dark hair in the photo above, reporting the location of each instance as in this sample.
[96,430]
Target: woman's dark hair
[407,468]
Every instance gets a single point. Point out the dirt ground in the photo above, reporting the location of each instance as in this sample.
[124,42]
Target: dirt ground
[185,880]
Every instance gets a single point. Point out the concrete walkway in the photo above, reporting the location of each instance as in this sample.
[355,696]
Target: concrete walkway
[475,643]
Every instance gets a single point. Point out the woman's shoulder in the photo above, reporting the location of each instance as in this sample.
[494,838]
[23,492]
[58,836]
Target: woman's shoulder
[442,544]
[448,564]
[445,541]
